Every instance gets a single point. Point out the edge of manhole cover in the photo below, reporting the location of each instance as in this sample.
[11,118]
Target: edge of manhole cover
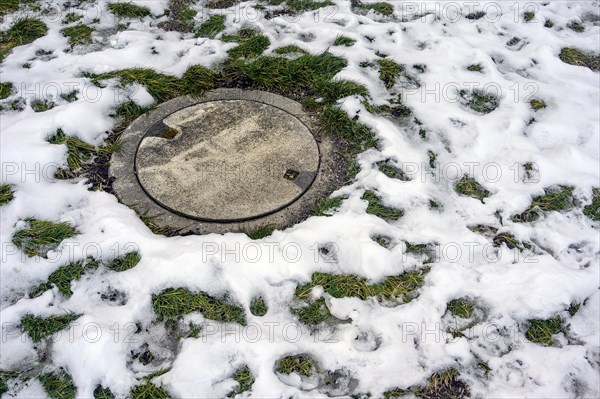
[331,169]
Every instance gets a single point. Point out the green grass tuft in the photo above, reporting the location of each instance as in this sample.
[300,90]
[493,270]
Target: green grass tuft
[349,285]
[316,312]
[326,206]
[250,47]
[382,8]
[71,17]
[443,385]
[78,34]
[42,236]
[23,31]
[128,10]
[461,307]
[479,101]
[344,41]
[125,262]
[41,105]
[58,385]
[528,16]
[6,89]
[39,328]
[577,57]
[384,241]
[475,68]
[197,79]
[173,302]
[300,364]
[10,6]
[292,48]
[592,210]
[376,207]
[78,151]
[391,171]
[148,391]
[555,200]
[576,26]
[65,275]
[103,393]
[537,104]
[213,26]
[161,87]
[6,194]
[261,232]
[471,188]
[243,376]
[388,71]
[258,307]
[541,331]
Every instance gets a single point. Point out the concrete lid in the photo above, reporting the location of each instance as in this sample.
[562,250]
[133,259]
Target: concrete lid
[227,160]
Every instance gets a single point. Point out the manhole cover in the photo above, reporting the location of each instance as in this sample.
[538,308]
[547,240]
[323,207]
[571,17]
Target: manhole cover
[230,160]
[227,160]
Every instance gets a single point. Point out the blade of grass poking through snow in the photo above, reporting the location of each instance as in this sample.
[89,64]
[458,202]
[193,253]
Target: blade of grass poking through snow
[376,207]
[78,34]
[161,87]
[148,390]
[128,10]
[261,232]
[243,376]
[560,199]
[211,27]
[326,206]
[177,302]
[388,71]
[125,262]
[471,188]
[58,385]
[23,31]
[6,89]
[300,364]
[39,328]
[6,194]
[592,210]
[542,331]
[42,236]
[444,384]
[258,307]
[103,393]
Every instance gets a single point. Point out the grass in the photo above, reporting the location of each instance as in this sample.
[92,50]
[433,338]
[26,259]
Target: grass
[471,188]
[211,27]
[173,302]
[384,241]
[78,151]
[388,71]
[261,232]
[391,171]
[250,47]
[58,385]
[103,393]
[445,384]
[78,34]
[421,68]
[6,194]
[510,241]
[292,48]
[41,105]
[375,207]
[23,31]
[39,328]
[300,364]
[542,331]
[462,308]
[578,57]
[349,285]
[6,89]
[326,206]
[125,262]
[528,16]
[316,312]
[382,8]
[553,200]
[148,390]
[592,210]
[221,4]
[128,10]
[344,41]
[258,307]
[161,87]
[42,236]
[71,17]
[10,6]
[576,26]
[479,101]
[537,104]
[65,275]
[243,376]
[475,68]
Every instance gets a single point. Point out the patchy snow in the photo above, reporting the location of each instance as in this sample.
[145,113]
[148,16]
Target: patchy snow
[381,347]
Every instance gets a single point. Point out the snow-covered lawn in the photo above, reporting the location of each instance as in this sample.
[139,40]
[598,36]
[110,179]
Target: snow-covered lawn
[480,278]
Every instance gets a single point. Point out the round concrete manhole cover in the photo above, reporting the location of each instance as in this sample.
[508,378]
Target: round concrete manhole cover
[227,160]
[230,160]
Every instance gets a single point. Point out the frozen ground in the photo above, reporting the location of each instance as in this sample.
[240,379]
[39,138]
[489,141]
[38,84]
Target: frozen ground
[369,346]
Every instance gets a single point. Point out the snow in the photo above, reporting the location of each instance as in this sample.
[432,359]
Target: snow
[382,347]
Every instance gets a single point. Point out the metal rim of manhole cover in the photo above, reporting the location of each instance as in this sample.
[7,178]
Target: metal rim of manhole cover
[230,160]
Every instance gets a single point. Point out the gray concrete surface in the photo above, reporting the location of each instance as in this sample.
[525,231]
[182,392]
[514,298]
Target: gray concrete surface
[228,160]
